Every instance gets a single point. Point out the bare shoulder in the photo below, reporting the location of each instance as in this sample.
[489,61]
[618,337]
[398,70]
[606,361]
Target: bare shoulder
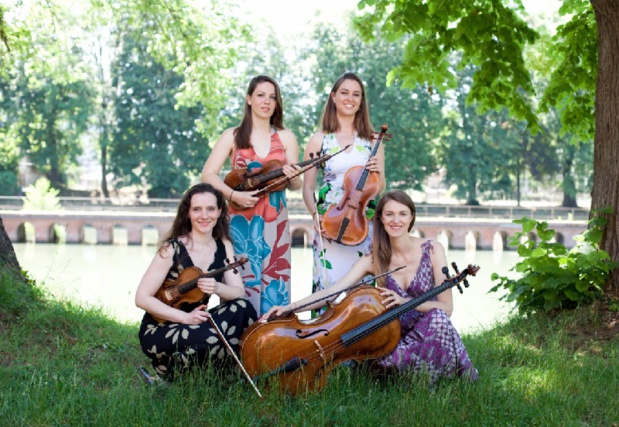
[287,137]
[315,140]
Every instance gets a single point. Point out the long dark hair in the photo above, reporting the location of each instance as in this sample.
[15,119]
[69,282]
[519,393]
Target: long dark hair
[363,126]
[381,245]
[243,132]
[182,224]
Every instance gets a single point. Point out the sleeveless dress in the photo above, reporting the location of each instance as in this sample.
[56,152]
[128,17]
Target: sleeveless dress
[262,234]
[429,342]
[331,259]
[174,347]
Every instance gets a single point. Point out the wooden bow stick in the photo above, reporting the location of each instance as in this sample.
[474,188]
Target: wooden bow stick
[236,359]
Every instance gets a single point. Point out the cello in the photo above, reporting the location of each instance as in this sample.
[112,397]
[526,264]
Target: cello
[270,177]
[298,356]
[345,222]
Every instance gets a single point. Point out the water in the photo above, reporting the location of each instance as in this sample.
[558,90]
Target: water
[107,276]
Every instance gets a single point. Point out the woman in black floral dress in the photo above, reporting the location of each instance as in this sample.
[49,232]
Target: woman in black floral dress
[199,237]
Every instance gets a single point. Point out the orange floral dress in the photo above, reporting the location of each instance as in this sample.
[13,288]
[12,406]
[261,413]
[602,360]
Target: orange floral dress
[262,234]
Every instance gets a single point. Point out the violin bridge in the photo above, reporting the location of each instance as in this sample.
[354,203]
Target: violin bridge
[321,351]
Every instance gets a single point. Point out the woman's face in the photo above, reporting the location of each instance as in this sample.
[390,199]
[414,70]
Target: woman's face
[347,98]
[263,100]
[396,218]
[203,212]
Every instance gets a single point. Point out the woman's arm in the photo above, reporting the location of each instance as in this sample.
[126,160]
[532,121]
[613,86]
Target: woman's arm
[232,286]
[444,299]
[151,282]
[359,269]
[289,140]
[309,182]
[215,162]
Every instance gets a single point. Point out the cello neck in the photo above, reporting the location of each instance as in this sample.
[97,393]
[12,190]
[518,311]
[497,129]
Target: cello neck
[378,322]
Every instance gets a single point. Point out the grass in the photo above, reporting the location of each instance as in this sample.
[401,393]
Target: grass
[64,365]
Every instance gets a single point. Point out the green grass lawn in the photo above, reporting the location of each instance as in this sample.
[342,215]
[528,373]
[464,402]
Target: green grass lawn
[63,365]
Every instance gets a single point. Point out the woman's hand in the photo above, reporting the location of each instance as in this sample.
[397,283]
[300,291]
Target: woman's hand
[208,285]
[392,299]
[244,199]
[197,316]
[373,165]
[275,311]
[293,173]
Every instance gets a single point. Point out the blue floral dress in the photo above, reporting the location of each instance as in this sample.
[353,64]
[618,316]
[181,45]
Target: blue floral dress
[262,234]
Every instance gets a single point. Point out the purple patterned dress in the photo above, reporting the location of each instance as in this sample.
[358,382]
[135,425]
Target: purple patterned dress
[429,341]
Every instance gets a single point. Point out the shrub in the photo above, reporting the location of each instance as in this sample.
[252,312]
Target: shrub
[551,277]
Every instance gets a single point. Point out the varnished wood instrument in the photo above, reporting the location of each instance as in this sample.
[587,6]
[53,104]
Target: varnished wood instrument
[297,356]
[184,290]
[346,222]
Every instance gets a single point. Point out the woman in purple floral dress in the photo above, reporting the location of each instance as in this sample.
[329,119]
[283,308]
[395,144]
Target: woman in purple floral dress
[429,342]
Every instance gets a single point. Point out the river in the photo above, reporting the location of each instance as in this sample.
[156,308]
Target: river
[106,276]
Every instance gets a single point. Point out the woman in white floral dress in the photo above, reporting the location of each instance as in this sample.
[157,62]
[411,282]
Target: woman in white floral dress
[345,122]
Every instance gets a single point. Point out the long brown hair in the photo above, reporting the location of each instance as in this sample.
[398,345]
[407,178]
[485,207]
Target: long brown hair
[381,245]
[362,123]
[182,225]
[242,133]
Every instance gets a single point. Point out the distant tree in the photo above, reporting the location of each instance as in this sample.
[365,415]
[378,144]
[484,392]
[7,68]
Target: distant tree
[155,143]
[492,35]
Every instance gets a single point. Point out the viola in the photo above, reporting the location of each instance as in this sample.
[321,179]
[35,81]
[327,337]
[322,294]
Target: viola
[346,222]
[270,177]
[184,290]
[298,356]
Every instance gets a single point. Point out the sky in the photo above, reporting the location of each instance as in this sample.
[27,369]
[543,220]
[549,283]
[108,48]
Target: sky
[290,16]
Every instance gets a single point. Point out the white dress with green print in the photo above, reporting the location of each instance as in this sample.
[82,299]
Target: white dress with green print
[332,260]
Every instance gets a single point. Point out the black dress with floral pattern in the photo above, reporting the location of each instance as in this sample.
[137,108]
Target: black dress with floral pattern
[173,347]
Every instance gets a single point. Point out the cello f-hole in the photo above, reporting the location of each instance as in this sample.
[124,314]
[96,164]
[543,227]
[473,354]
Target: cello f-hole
[299,333]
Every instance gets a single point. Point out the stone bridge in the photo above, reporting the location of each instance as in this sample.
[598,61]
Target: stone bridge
[136,228]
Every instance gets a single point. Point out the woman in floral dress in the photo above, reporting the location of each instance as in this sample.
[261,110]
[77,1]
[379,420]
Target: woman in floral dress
[345,122]
[259,225]
[429,343]
[184,337]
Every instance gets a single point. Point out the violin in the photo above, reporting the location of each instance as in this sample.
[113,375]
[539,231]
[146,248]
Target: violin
[298,356]
[346,222]
[184,290]
[270,177]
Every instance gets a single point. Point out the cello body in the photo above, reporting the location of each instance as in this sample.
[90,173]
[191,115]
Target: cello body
[300,354]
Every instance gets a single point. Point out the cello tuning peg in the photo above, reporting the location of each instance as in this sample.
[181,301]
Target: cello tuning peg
[445,271]
[227,260]
[236,271]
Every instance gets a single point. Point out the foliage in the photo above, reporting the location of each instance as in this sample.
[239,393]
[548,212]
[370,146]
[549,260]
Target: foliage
[490,36]
[414,114]
[41,196]
[551,277]
[155,143]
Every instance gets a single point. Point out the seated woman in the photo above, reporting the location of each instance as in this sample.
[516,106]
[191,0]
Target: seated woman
[429,342]
[199,237]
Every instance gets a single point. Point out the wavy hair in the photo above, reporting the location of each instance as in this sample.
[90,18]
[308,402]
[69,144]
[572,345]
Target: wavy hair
[182,225]
[381,245]
[362,123]
[242,133]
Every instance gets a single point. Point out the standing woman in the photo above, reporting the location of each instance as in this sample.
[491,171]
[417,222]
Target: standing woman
[259,226]
[199,237]
[345,121]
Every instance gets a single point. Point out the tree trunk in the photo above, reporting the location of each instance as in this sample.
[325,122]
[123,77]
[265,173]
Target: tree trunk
[606,145]
[8,260]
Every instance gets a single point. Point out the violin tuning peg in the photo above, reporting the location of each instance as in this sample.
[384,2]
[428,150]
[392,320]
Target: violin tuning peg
[236,271]
[455,267]
[227,260]
[460,288]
